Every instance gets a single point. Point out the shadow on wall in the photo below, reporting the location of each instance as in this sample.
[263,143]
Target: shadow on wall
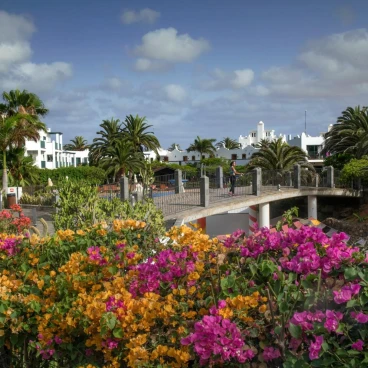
[337,207]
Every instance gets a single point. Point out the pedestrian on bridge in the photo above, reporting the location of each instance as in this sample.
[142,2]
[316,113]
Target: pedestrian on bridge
[233,174]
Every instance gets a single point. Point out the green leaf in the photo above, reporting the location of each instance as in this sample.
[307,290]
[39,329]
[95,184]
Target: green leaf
[350,273]
[118,333]
[36,306]
[284,307]
[295,330]
[351,303]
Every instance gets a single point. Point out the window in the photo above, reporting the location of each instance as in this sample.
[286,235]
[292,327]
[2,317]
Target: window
[166,159]
[313,151]
[43,165]
[234,156]
[244,156]
[193,158]
[203,157]
[85,160]
[50,158]
[185,158]
[253,134]
[78,161]
[151,159]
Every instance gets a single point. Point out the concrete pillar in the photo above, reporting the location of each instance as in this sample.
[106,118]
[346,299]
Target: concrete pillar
[219,177]
[256,181]
[297,176]
[288,179]
[124,188]
[178,175]
[204,191]
[312,207]
[253,218]
[330,177]
[264,215]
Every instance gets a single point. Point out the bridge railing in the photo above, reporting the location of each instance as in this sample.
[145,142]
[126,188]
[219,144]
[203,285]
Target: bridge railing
[173,194]
[218,192]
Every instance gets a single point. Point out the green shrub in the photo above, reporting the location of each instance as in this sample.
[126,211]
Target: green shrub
[355,169]
[79,207]
[89,174]
[338,161]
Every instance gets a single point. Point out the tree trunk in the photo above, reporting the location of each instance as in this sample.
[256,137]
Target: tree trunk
[5,175]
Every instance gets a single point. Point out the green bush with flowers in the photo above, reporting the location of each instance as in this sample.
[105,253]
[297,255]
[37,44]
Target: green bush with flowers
[111,296]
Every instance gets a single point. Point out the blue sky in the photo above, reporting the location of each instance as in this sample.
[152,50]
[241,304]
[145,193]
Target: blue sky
[209,68]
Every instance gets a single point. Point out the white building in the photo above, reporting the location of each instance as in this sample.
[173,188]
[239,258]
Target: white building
[311,145]
[48,152]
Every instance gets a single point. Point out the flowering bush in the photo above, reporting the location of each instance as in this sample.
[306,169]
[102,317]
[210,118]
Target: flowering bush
[13,221]
[97,298]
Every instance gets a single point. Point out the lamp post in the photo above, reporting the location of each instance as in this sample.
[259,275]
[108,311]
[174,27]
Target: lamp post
[305,122]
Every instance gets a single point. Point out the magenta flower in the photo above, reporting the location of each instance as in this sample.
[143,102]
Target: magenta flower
[217,340]
[94,253]
[332,320]
[358,345]
[270,353]
[360,317]
[58,340]
[315,347]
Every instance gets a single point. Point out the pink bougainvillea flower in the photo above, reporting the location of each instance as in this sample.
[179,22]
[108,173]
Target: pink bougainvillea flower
[315,347]
[360,317]
[358,345]
[270,353]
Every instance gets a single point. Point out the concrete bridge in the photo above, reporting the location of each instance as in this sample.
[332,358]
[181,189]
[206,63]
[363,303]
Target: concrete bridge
[182,205]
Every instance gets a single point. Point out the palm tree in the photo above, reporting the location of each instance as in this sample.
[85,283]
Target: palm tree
[77,144]
[174,146]
[22,169]
[349,134]
[14,131]
[203,146]
[278,155]
[22,101]
[120,158]
[109,134]
[228,143]
[135,132]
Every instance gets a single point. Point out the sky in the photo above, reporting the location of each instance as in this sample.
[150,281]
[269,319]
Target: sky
[205,68]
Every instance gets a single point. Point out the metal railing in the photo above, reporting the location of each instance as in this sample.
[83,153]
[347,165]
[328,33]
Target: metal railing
[163,192]
[243,187]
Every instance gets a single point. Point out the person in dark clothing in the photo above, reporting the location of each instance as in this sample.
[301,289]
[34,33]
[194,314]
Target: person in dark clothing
[233,174]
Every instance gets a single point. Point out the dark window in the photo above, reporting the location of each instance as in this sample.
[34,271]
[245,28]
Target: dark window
[50,158]
[193,158]
[313,151]
[203,157]
[166,159]
[185,158]
[244,156]
[234,156]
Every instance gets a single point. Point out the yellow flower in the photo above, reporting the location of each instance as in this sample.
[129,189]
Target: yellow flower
[262,308]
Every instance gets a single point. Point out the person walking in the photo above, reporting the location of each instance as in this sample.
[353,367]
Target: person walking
[233,174]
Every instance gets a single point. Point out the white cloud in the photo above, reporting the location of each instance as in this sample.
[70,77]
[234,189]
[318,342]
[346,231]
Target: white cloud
[11,53]
[16,69]
[236,79]
[165,44]
[15,28]
[147,65]
[243,78]
[145,16]
[37,77]
[175,93]
[329,67]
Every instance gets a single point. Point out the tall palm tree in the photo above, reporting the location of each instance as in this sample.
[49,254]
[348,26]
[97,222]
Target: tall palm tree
[77,144]
[203,146]
[120,158]
[228,143]
[23,101]
[135,132]
[14,131]
[349,134]
[110,133]
[278,155]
